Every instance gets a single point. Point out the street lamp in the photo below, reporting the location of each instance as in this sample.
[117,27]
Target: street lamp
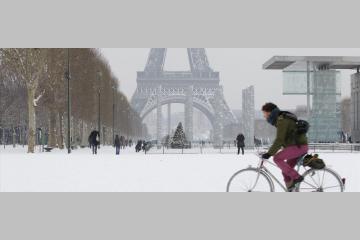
[113,114]
[123,120]
[128,122]
[129,125]
[67,76]
[99,75]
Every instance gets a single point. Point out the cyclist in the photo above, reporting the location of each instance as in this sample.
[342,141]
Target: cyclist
[291,144]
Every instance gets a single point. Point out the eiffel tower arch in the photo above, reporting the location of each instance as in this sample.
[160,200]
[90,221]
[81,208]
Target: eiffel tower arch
[198,88]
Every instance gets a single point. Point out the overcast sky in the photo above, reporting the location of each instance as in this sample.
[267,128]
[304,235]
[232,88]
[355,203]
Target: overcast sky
[238,67]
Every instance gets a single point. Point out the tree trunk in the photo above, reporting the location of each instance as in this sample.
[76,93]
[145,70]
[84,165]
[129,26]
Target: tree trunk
[60,132]
[84,135]
[32,120]
[75,130]
[13,137]
[52,129]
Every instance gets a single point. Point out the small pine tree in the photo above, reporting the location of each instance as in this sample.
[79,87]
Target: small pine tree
[179,139]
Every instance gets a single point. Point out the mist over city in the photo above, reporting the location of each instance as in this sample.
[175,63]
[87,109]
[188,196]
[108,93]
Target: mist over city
[179,119]
[194,105]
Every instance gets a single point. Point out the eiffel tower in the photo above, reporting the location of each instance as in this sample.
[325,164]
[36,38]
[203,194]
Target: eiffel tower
[198,88]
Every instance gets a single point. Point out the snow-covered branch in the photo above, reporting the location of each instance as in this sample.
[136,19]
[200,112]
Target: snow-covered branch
[38,98]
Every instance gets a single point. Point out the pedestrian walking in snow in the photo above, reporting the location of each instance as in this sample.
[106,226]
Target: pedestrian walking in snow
[240,139]
[143,145]
[94,140]
[122,142]
[138,146]
[117,144]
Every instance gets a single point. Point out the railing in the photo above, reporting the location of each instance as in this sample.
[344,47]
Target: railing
[334,147]
[230,148]
[196,148]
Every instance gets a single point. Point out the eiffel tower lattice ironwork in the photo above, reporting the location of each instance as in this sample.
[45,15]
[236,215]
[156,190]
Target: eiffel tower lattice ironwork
[200,88]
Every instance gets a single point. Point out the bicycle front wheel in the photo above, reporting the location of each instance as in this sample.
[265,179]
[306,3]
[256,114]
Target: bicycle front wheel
[323,180]
[250,180]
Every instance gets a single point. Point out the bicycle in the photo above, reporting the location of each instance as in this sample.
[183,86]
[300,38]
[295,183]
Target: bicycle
[260,179]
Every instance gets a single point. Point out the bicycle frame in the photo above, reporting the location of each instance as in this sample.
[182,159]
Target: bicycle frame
[262,171]
[267,172]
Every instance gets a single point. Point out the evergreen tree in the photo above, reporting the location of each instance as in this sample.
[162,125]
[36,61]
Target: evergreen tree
[179,139]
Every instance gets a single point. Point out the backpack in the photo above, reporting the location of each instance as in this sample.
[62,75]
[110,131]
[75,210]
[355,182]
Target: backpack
[314,162]
[302,126]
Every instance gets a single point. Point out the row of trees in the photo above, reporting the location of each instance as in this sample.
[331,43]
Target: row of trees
[33,95]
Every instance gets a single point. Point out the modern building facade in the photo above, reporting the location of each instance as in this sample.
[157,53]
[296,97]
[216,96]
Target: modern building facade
[319,79]
[355,107]
[248,115]
[325,90]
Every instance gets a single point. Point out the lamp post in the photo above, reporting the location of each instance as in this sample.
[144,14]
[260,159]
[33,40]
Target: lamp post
[98,75]
[129,122]
[126,123]
[123,119]
[130,125]
[113,115]
[308,110]
[67,76]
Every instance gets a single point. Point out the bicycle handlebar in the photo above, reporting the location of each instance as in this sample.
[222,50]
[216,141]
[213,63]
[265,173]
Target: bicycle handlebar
[260,153]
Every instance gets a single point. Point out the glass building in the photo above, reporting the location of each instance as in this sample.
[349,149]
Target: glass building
[355,107]
[325,91]
[318,78]
[248,115]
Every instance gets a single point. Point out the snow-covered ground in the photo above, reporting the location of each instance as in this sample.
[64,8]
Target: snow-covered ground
[81,171]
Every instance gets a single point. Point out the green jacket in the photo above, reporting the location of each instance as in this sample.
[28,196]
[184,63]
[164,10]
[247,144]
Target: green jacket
[286,135]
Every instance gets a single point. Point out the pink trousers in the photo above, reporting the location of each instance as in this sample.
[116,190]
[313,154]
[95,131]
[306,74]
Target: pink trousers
[286,160]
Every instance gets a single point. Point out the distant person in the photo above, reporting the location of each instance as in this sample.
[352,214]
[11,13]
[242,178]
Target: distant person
[117,144]
[240,139]
[138,146]
[122,142]
[89,141]
[94,140]
[143,145]
[289,141]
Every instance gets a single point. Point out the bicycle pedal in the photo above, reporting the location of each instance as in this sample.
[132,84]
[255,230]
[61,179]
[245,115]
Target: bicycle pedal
[292,190]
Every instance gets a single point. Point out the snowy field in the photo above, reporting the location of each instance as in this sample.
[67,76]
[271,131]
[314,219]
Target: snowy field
[136,172]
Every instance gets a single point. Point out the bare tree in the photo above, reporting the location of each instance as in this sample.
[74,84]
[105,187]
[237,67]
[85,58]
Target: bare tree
[54,98]
[28,64]
[38,76]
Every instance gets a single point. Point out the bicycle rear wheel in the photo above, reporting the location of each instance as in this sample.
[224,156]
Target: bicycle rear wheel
[250,180]
[323,180]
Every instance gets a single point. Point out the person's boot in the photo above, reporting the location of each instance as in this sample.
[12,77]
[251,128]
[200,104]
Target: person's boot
[288,184]
[295,182]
